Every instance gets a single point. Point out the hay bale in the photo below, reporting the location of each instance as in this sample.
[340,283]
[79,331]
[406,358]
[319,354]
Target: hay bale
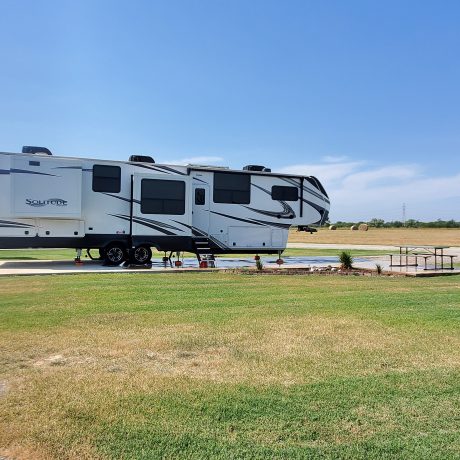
[332,227]
[354,227]
[363,227]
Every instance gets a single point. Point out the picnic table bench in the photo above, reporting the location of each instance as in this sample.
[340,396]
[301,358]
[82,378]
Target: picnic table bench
[425,252]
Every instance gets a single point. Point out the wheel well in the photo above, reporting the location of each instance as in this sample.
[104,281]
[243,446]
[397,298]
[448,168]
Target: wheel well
[121,243]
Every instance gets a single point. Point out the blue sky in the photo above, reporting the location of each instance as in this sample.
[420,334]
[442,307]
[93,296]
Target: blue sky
[363,94]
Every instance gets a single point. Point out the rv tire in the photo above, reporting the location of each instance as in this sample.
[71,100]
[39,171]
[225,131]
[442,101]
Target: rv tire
[141,255]
[114,254]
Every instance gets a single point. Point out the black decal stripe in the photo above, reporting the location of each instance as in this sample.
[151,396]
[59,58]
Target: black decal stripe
[18,224]
[218,243]
[181,223]
[120,216]
[150,168]
[145,224]
[160,224]
[175,171]
[67,167]
[320,209]
[155,222]
[195,231]
[196,178]
[120,197]
[273,224]
[25,171]
[290,181]
[154,227]
[307,189]
[161,169]
[263,189]
[191,228]
[286,213]
[234,218]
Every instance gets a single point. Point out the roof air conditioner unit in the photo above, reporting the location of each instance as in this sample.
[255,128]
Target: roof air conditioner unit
[141,159]
[32,149]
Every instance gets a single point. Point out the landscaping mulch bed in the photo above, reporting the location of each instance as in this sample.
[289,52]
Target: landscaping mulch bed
[309,271]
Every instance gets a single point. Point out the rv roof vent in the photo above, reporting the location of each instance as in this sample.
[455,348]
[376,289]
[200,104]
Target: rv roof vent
[141,159]
[32,149]
[254,168]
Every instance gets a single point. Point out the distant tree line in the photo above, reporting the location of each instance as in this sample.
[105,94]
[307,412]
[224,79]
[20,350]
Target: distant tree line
[411,223]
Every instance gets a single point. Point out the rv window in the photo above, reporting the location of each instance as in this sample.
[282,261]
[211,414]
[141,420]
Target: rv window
[285,193]
[106,178]
[232,188]
[200,196]
[162,196]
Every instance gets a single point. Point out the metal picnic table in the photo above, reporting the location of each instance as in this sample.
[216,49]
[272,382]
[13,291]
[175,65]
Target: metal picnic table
[412,251]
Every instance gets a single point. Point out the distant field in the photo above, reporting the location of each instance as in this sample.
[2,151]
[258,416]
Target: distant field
[213,365]
[383,236]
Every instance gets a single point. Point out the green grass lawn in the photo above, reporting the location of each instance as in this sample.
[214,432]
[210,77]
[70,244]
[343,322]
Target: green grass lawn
[215,365]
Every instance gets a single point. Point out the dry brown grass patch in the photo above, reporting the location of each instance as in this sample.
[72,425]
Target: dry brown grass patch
[287,350]
[381,236]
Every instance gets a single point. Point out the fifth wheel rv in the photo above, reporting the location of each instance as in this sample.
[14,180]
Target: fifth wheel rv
[126,208]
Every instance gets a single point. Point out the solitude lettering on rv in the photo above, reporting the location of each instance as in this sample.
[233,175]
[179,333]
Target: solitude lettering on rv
[50,201]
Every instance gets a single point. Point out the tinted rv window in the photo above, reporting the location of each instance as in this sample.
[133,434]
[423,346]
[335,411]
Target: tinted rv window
[232,188]
[285,193]
[162,196]
[106,178]
[200,196]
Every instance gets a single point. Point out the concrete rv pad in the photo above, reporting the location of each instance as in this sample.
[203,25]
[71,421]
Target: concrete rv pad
[54,267]
[50,267]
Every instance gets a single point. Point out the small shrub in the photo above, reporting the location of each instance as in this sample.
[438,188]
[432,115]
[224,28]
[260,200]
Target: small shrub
[378,267]
[346,260]
[259,264]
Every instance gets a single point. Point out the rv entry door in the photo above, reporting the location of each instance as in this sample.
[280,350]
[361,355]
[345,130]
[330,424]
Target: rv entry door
[200,218]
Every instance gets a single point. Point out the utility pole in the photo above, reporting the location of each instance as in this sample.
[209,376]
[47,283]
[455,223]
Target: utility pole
[404,213]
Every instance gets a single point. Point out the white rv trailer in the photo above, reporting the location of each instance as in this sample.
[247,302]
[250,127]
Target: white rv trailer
[125,208]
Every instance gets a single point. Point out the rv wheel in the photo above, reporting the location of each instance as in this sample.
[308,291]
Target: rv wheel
[114,254]
[141,255]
